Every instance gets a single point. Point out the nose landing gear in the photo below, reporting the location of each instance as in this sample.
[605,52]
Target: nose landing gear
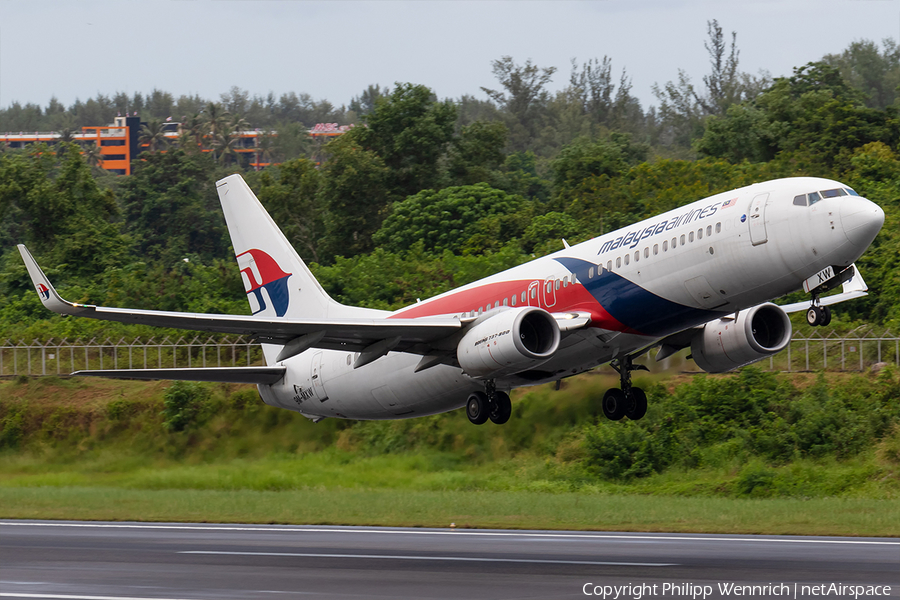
[490,404]
[818,316]
[629,401]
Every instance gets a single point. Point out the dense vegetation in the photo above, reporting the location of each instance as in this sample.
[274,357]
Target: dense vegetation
[752,434]
[430,194]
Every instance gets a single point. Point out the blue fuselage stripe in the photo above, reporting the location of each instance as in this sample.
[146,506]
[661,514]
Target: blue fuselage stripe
[632,305]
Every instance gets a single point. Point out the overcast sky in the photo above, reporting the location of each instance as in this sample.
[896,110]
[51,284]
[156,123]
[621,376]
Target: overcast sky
[333,50]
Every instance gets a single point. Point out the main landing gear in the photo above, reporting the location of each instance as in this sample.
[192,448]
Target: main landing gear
[489,404]
[817,315]
[629,401]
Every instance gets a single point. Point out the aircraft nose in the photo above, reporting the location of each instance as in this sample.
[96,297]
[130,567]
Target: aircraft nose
[861,220]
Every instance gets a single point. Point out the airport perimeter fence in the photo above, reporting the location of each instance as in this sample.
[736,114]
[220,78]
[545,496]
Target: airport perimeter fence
[818,351]
[61,356]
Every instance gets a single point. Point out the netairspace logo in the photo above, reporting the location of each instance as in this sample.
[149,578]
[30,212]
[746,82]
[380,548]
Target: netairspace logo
[726,590]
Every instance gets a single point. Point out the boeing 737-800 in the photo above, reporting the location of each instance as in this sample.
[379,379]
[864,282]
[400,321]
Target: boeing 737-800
[700,276]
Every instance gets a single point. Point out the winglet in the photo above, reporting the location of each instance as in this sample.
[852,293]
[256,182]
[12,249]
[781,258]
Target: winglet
[48,295]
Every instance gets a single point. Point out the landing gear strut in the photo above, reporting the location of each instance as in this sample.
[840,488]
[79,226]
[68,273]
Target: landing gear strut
[489,404]
[629,401]
[817,315]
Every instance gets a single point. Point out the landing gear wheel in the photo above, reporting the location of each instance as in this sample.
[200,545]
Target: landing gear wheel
[501,408]
[636,404]
[477,408]
[826,317]
[614,404]
[814,316]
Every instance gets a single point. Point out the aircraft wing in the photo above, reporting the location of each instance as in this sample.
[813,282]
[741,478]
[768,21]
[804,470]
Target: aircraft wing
[354,335]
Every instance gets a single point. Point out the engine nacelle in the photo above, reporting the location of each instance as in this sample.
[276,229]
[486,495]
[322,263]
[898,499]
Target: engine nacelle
[511,341]
[727,344]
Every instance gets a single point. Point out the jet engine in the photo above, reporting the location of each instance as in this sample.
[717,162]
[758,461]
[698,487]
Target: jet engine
[511,341]
[731,342]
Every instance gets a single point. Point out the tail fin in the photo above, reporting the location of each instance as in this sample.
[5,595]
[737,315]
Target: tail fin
[277,282]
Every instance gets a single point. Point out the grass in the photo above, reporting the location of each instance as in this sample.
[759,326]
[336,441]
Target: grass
[507,510]
[99,450]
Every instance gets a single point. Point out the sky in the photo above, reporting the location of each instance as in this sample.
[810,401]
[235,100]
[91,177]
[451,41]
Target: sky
[333,50]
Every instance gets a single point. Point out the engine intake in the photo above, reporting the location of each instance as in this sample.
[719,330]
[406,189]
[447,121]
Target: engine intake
[511,341]
[727,344]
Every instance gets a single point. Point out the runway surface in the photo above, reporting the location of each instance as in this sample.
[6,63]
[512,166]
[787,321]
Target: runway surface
[87,560]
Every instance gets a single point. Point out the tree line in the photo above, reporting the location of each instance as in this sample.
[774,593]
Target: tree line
[428,194]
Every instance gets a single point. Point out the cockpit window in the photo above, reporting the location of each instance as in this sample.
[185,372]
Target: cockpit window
[813,198]
[800,200]
[851,192]
[833,193]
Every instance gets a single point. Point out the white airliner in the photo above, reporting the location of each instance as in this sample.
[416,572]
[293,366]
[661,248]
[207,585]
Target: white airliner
[701,276]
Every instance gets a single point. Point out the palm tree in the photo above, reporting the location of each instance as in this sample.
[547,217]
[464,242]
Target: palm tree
[192,133]
[215,119]
[153,134]
[92,155]
[265,148]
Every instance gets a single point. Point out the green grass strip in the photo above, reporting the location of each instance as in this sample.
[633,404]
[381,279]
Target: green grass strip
[478,509]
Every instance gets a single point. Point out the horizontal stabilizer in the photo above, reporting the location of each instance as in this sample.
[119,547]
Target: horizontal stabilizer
[255,375]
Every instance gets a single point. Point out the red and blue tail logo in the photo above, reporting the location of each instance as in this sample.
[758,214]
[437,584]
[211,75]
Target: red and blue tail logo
[260,272]
[43,291]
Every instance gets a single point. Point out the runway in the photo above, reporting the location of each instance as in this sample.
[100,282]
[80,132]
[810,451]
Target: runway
[169,561]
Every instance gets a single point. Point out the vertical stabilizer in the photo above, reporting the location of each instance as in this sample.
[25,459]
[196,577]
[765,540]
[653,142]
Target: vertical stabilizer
[277,282]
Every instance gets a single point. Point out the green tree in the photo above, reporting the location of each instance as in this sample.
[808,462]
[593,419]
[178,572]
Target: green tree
[476,154]
[53,204]
[355,193]
[873,71]
[154,135]
[291,193]
[449,219]
[410,131]
[584,159]
[522,97]
[814,114]
[172,209]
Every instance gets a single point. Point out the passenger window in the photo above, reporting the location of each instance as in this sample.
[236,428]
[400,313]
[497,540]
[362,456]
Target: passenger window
[626,259]
[851,192]
[565,282]
[666,246]
[718,227]
[523,297]
[709,230]
[682,238]
[691,236]
[813,198]
[637,255]
[505,300]
[513,300]
[647,252]
[609,265]
[591,273]
[800,200]
[480,309]
[700,234]
[557,284]
[497,304]
[656,249]
[533,293]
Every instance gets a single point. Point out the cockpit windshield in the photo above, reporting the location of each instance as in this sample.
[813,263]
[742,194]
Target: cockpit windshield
[813,197]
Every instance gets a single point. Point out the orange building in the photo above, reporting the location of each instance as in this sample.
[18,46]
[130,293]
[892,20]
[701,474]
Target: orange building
[119,143]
